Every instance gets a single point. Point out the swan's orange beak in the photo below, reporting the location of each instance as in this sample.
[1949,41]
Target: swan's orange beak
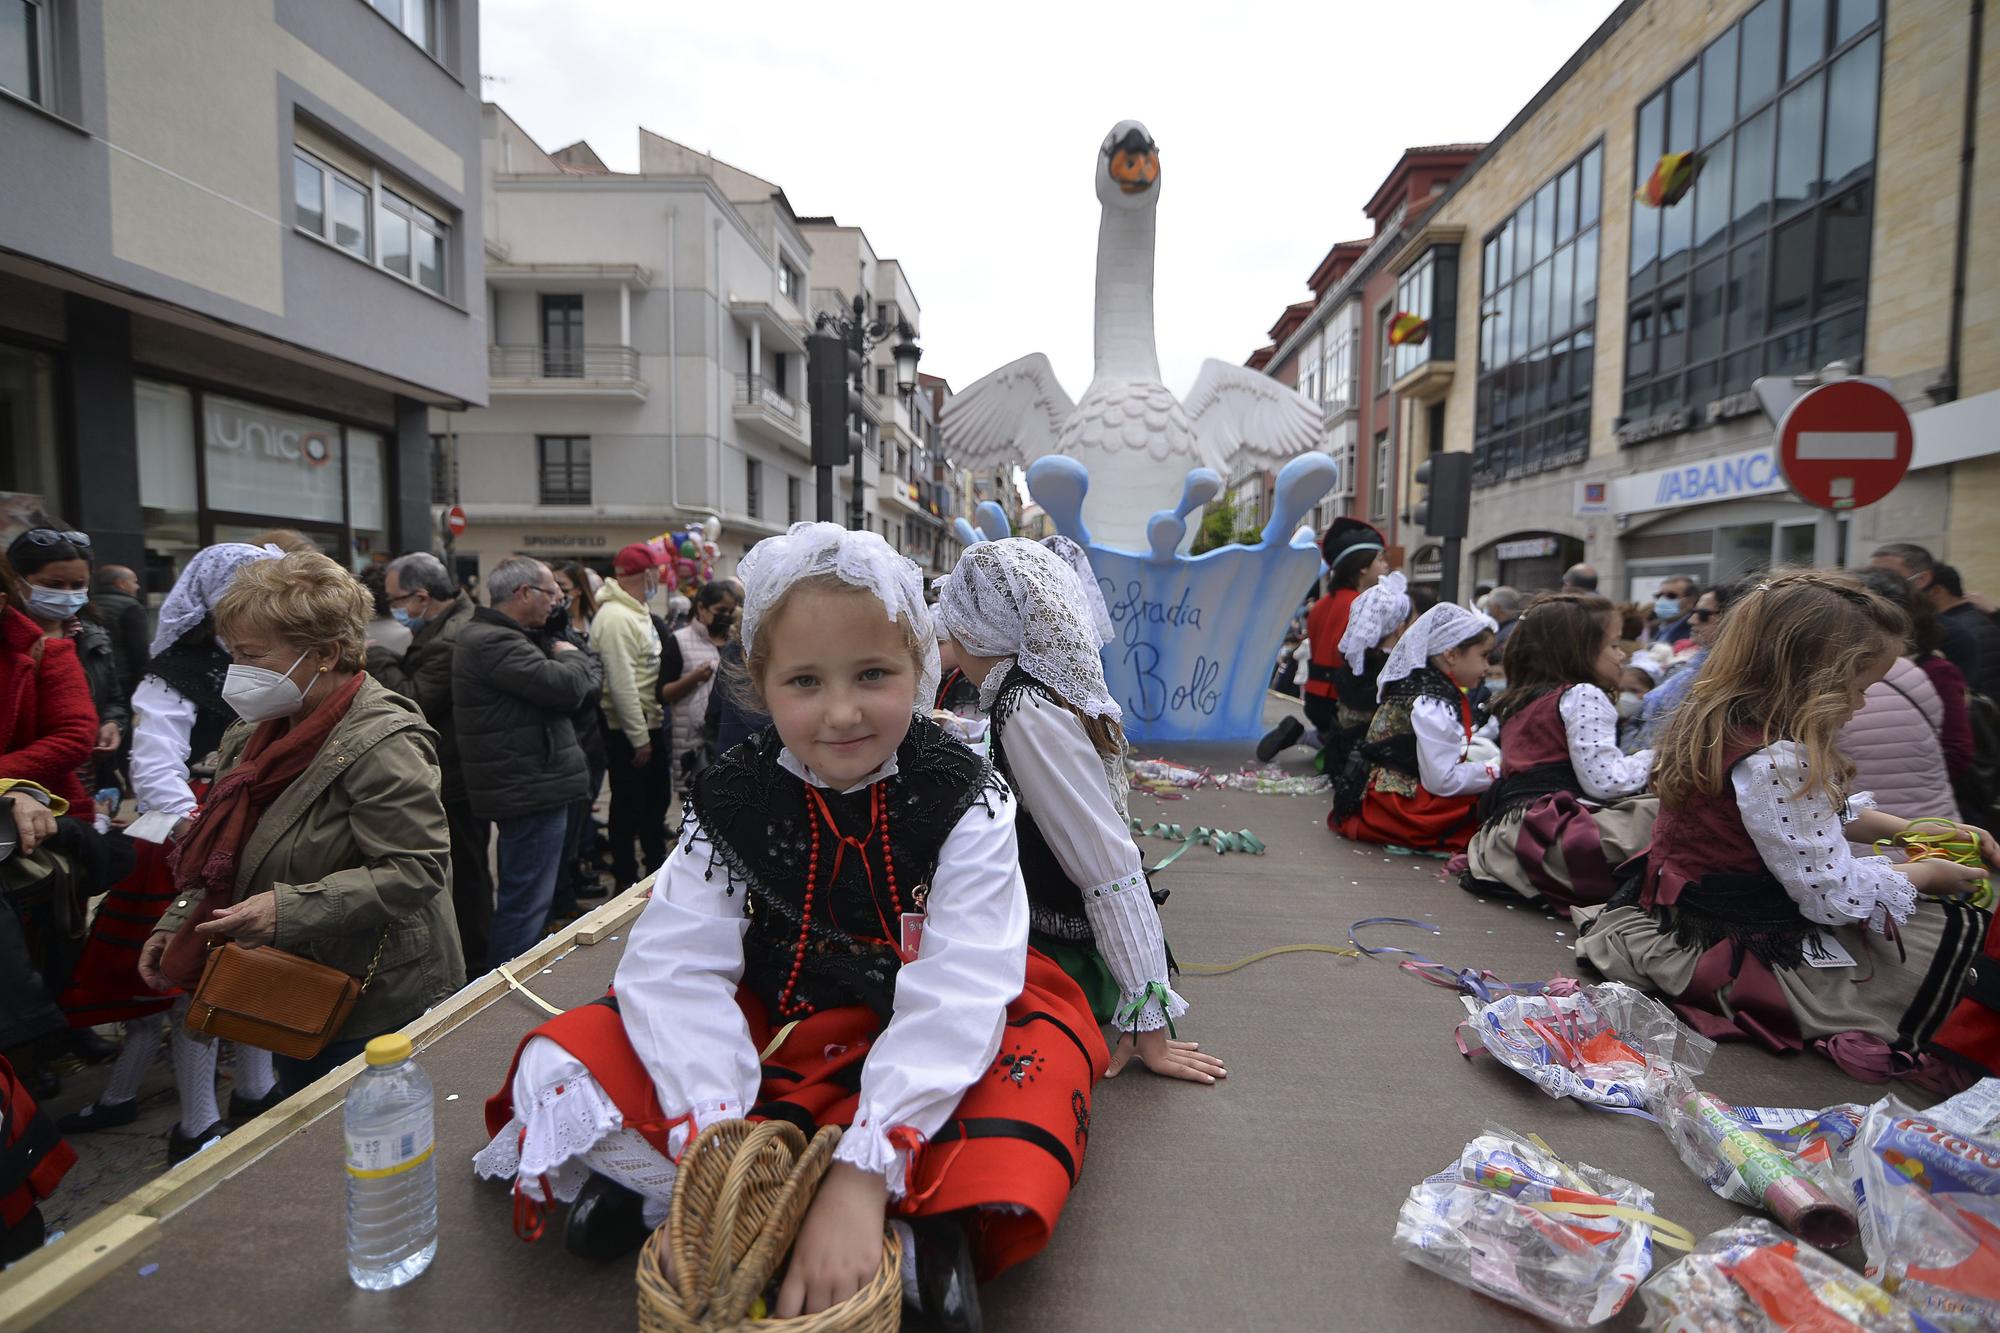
[1135,171]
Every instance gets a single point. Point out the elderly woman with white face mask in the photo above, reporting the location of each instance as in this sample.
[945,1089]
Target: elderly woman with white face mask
[324,834]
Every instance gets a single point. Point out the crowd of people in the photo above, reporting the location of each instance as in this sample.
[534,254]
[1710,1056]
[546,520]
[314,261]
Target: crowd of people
[1765,801]
[902,894]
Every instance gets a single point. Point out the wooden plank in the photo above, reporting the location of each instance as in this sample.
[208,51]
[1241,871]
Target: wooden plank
[45,1280]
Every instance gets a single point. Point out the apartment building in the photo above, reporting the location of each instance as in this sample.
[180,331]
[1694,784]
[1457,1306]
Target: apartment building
[646,368]
[239,266]
[1596,352]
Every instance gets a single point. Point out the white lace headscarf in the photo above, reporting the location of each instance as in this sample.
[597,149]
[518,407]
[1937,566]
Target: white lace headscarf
[201,586]
[1017,599]
[1078,560]
[1438,630]
[1375,612]
[860,560]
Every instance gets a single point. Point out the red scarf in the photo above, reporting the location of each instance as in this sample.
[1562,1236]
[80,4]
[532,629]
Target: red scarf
[204,862]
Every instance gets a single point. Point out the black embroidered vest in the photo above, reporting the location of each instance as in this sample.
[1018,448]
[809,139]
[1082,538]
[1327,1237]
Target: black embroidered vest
[758,821]
[196,667]
[1055,904]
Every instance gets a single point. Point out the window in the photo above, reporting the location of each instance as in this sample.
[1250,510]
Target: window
[329,204]
[1537,321]
[24,49]
[1385,355]
[565,468]
[1341,361]
[444,471]
[882,312]
[788,280]
[753,488]
[418,20]
[792,499]
[1383,467]
[1762,267]
[332,205]
[562,335]
[1429,290]
[1309,368]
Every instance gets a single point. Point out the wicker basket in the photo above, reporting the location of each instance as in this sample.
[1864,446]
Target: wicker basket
[742,1192]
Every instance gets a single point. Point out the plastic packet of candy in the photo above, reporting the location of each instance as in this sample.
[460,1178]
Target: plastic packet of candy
[1975,1112]
[1780,1159]
[1929,1199]
[1513,1221]
[1752,1277]
[1275,782]
[1608,1046]
[1162,773]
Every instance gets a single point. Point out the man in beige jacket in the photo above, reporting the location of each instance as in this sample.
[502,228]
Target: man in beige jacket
[637,752]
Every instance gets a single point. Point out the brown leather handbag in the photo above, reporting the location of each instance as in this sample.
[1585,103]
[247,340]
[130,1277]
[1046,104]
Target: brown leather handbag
[273,1000]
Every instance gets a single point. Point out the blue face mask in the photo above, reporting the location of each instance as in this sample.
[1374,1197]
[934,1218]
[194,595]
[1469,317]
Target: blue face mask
[54,603]
[1667,608]
[403,618]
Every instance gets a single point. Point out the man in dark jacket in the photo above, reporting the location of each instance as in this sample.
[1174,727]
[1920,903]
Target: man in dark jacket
[514,692]
[120,611]
[423,597]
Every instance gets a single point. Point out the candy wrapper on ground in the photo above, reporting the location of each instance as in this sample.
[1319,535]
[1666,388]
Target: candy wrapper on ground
[1510,1219]
[1930,1215]
[1608,1046]
[1753,1277]
[1974,1112]
[1779,1159]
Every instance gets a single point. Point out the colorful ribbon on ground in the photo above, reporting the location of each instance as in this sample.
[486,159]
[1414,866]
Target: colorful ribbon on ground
[1481,985]
[1243,840]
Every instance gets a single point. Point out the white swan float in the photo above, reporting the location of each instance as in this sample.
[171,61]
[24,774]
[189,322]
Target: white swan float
[1136,441]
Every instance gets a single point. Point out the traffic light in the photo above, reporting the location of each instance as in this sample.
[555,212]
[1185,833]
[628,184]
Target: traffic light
[832,375]
[1446,508]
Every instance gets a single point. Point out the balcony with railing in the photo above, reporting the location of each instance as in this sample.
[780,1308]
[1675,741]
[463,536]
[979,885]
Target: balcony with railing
[764,409]
[559,371]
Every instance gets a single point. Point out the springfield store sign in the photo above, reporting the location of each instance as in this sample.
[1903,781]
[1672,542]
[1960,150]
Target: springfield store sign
[1733,477]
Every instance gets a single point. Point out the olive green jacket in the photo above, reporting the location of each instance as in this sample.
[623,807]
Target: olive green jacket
[358,854]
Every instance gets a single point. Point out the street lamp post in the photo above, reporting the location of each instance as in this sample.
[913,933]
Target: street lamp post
[859,334]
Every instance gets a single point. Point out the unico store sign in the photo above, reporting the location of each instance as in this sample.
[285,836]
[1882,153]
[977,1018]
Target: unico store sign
[263,461]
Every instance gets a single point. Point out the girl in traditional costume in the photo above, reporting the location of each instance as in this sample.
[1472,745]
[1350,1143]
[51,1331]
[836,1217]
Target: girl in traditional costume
[1022,624]
[1353,552]
[852,873]
[1409,784]
[1749,911]
[1567,808]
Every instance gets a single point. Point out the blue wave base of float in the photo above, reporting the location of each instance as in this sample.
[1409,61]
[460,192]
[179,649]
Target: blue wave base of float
[1195,638]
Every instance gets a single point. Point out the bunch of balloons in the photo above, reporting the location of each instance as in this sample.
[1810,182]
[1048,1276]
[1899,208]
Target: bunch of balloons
[687,557]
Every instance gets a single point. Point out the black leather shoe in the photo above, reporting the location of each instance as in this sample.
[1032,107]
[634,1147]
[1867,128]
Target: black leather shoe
[90,1048]
[242,1110]
[1281,737]
[606,1222]
[42,1083]
[947,1292]
[99,1115]
[181,1146]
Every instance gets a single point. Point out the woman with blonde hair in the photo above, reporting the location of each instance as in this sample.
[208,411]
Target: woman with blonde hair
[1748,910]
[324,834]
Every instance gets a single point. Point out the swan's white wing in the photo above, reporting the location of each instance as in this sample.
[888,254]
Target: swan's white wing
[1011,416]
[1235,409]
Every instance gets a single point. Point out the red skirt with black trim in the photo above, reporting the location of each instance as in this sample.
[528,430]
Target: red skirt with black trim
[1423,822]
[105,987]
[1015,1143]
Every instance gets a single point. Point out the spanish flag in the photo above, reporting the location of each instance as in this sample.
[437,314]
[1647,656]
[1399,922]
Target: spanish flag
[1408,329]
[1672,178]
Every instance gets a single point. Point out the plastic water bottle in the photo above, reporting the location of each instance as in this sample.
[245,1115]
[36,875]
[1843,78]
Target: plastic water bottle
[392,1219]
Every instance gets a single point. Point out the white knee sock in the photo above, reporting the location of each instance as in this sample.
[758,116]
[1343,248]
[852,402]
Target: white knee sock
[135,1057]
[194,1074]
[909,1239]
[255,1076]
[627,1158]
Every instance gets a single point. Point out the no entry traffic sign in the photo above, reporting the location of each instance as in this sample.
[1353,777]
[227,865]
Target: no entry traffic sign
[454,521]
[1845,444]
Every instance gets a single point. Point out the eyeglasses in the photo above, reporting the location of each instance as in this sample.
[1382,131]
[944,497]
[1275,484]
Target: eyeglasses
[393,601]
[51,537]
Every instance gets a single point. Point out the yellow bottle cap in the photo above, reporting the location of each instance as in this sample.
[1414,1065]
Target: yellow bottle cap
[391,1049]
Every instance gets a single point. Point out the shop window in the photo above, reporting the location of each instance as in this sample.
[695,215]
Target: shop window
[266,461]
[444,471]
[28,444]
[1781,110]
[563,462]
[1538,306]
[367,498]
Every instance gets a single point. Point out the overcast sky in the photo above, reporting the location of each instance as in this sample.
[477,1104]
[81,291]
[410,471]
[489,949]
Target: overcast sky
[963,137]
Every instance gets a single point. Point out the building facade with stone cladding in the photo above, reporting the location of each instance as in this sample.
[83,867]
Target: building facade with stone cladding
[1649,468]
